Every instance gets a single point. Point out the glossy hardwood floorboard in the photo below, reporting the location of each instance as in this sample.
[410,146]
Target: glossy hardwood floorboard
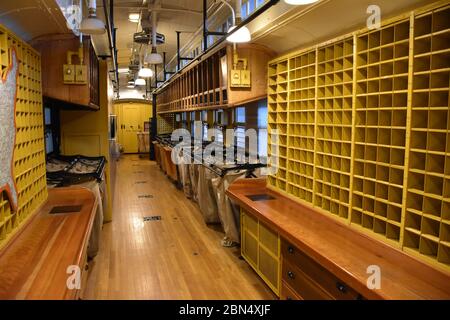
[179,257]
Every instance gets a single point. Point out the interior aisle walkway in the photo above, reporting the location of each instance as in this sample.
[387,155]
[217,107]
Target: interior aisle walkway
[178,257]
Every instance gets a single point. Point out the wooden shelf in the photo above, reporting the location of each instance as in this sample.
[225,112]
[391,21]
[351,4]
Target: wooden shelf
[368,132]
[205,84]
[345,251]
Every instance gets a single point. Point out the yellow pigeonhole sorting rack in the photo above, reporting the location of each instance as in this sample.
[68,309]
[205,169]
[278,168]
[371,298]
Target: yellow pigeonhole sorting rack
[29,153]
[363,125]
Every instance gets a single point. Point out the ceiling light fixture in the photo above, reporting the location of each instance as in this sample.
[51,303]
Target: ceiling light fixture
[130,86]
[153,57]
[145,72]
[140,82]
[92,25]
[134,17]
[124,70]
[242,34]
[300,2]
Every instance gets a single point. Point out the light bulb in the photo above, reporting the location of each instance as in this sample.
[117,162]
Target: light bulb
[140,82]
[134,17]
[153,57]
[145,72]
[92,25]
[240,36]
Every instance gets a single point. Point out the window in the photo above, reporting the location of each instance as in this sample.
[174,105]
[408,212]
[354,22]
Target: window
[184,120]
[205,126]
[262,128]
[244,11]
[259,3]
[240,137]
[240,127]
[192,118]
[240,115]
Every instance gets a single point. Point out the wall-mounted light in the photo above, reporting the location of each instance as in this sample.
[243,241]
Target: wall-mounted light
[92,25]
[134,17]
[242,35]
[140,82]
[300,2]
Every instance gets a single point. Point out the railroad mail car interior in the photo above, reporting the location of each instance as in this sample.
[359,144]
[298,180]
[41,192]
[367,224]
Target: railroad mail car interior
[225,150]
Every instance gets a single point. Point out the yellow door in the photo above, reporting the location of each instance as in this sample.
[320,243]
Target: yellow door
[130,126]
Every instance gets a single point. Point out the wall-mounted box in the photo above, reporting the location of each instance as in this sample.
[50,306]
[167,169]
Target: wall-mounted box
[84,90]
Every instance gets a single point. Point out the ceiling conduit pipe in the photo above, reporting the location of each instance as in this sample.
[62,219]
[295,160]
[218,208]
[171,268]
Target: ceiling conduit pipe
[249,19]
[112,38]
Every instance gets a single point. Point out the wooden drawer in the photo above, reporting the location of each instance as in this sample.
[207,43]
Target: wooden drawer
[287,293]
[301,284]
[322,277]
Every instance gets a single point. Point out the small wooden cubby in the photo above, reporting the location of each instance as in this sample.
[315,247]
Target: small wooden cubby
[427,218]
[367,136]
[205,83]
[380,128]
[334,127]
[277,105]
[29,153]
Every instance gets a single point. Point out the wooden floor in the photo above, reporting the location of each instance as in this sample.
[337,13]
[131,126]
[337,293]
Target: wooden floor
[178,257]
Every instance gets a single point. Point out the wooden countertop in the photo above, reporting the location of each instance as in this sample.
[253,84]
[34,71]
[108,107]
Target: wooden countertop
[341,249]
[34,263]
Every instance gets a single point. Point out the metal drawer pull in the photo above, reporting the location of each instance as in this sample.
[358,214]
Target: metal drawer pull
[291,249]
[341,287]
[291,275]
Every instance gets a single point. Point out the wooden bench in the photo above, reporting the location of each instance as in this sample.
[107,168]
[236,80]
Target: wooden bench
[316,248]
[34,264]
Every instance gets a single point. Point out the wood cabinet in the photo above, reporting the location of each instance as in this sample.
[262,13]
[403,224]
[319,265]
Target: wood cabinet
[324,258]
[53,51]
[260,247]
[206,83]
[309,280]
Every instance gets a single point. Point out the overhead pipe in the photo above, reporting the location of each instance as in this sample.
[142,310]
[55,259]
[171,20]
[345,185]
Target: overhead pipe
[112,37]
[179,57]
[197,32]
[165,68]
[243,23]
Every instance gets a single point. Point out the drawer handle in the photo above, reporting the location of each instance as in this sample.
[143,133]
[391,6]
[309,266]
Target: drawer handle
[291,275]
[341,287]
[291,249]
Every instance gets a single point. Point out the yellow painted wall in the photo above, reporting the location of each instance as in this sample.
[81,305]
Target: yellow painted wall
[86,132]
[142,112]
[29,152]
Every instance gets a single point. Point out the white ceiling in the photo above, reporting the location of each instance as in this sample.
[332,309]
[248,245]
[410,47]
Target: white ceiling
[282,28]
